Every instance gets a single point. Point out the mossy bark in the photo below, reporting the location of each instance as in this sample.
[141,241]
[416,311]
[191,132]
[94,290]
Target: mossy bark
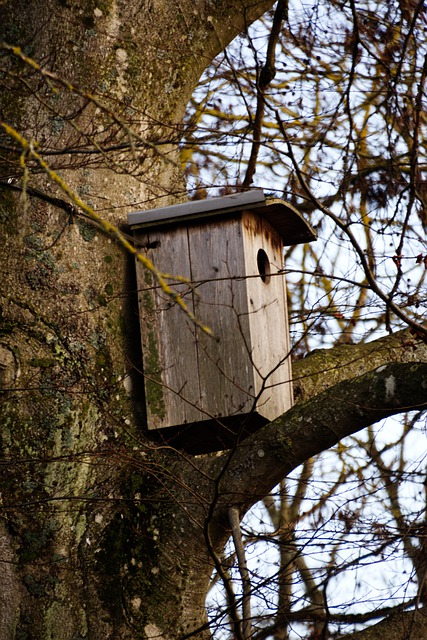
[98,544]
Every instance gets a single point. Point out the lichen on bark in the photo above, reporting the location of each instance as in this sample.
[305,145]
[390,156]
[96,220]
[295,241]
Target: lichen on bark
[69,434]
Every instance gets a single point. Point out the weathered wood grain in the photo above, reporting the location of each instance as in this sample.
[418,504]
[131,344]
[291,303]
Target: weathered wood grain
[244,370]
[168,336]
[268,322]
[217,265]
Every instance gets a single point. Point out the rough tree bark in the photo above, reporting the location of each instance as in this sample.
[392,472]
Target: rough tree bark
[103,535]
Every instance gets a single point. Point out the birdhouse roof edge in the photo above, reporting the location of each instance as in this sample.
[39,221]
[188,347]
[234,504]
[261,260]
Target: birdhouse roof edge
[198,208]
[291,225]
[283,217]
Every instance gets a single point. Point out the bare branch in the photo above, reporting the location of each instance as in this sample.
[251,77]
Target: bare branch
[409,624]
[234,518]
[310,427]
[345,227]
[265,77]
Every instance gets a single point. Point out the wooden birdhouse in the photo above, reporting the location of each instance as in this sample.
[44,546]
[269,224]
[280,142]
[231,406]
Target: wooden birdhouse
[225,257]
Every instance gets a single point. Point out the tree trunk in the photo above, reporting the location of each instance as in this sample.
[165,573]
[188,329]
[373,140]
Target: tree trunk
[93,544]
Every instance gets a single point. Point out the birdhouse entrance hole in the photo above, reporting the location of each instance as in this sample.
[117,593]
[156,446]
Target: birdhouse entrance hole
[264,266]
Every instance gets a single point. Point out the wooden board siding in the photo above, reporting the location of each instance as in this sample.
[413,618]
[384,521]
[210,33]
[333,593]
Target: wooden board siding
[168,336]
[268,322]
[217,266]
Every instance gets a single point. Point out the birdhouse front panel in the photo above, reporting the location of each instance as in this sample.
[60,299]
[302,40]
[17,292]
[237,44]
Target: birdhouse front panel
[191,376]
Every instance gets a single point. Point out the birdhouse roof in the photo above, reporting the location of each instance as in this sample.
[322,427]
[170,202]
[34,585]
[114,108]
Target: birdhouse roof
[287,221]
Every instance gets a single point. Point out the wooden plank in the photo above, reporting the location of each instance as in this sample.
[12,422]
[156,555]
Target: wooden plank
[225,373]
[168,335]
[269,332]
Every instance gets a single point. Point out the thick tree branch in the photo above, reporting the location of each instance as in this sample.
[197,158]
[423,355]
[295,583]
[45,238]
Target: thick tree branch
[408,624]
[338,391]
[323,368]
[311,427]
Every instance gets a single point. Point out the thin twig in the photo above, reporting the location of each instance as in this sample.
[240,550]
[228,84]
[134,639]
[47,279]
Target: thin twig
[419,328]
[265,77]
[234,518]
[109,228]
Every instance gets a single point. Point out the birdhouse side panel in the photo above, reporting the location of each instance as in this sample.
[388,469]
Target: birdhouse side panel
[167,333]
[269,330]
[224,363]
